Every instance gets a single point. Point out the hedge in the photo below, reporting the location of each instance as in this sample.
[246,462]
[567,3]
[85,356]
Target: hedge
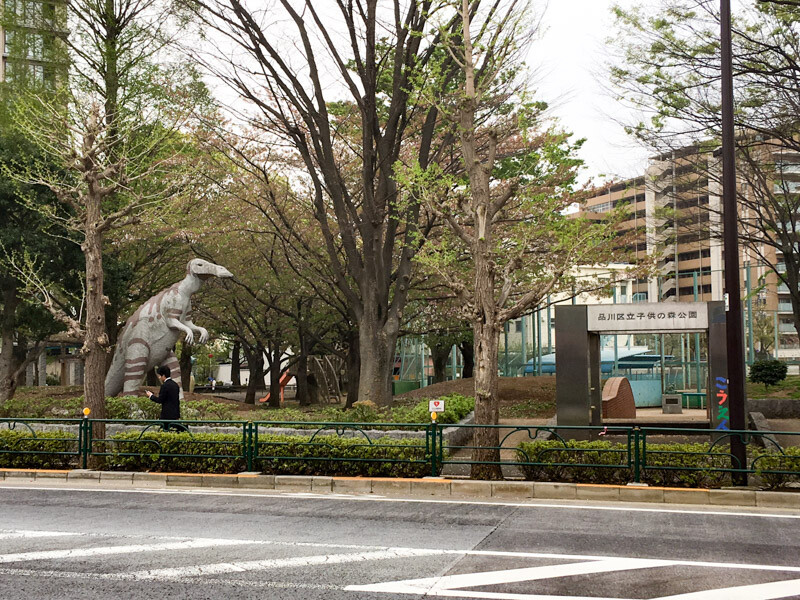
[278,454]
[766,462]
[203,452]
[333,455]
[669,465]
[52,445]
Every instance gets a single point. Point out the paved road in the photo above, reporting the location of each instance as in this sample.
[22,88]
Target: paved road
[88,543]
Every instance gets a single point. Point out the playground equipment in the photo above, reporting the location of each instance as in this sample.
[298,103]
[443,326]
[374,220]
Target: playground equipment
[284,380]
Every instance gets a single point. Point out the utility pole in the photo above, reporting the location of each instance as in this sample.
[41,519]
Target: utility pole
[733,304]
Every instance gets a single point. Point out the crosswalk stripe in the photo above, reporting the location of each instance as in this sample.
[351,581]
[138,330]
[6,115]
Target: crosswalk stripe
[434,585]
[107,550]
[262,565]
[757,591]
[20,534]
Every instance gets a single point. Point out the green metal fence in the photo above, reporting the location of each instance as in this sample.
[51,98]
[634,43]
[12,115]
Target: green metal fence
[658,456]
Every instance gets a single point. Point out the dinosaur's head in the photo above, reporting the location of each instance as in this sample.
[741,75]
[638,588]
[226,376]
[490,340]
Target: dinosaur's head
[204,269]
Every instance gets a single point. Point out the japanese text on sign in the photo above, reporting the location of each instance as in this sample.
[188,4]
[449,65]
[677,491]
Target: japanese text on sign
[648,317]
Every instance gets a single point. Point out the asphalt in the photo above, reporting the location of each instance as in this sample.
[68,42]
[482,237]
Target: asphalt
[82,537]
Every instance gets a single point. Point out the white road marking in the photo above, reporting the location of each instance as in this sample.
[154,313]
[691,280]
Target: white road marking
[278,563]
[108,550]
[431,585]
[20,534]
[453,585]
[759,591]
[445,586]
[533,503]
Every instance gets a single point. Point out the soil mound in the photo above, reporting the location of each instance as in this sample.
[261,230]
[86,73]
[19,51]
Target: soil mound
[511,390]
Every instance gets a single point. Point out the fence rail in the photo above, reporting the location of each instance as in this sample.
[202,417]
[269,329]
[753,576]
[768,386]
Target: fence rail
[659,456]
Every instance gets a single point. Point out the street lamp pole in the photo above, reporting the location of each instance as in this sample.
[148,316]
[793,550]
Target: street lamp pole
[734,330]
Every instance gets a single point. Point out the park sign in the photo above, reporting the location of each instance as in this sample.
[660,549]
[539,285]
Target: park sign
[436,406]
[655,317]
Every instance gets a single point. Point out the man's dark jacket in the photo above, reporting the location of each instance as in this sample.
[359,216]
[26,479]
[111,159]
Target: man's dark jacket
[169,399]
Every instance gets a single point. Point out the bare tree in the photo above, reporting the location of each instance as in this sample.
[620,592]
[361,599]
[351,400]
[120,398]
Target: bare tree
[508,241]
[108,132]
[337,89]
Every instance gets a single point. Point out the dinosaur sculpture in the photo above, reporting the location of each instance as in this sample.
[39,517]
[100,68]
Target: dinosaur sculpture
[149,336]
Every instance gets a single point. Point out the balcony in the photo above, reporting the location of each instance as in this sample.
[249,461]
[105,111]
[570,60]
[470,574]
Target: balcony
[786,328]
[785,307]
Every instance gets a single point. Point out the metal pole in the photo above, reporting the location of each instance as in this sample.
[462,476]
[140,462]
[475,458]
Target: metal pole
[683,362]
[549,328]
[751,357]
[524,343]
[616,347]
[777,341]
[539,343]
[696,341]
[661,343]
[453,361]
[505,340]
[422,381]
[733,322]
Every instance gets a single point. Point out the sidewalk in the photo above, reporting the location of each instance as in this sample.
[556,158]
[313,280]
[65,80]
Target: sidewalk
[429,487]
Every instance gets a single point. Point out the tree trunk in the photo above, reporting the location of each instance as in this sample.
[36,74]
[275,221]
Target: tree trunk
[236,364]
[301,376]
[439,355]
[377,343]
[95,344]
[486,440]
[468,359]
[353,366]
[185,363]
[275,373]
[255,361]
[8,383]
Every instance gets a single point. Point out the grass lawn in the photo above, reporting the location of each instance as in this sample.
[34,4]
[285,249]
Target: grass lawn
[788,388]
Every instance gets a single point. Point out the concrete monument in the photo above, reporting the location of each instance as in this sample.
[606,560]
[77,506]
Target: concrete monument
[150,334]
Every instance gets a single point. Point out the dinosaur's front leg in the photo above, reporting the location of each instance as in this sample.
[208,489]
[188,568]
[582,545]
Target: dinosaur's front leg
[173,323]
[200,331]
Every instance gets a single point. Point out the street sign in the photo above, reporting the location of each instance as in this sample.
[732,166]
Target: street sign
[436,406]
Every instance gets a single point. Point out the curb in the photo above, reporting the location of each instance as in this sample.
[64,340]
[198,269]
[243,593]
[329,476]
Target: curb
[429,487]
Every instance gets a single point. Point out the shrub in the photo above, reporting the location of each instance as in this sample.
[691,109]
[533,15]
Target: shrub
[769,463]
[456,408]
[683,465]
[333,455]
[46,447]
[132,407]
[206,410]
[557,461]
[197,453]
[294,455]
[769,372]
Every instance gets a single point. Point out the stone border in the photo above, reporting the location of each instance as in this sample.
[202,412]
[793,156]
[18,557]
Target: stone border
[428,487]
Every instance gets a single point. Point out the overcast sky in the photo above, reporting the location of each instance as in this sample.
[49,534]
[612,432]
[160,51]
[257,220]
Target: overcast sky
[570,57]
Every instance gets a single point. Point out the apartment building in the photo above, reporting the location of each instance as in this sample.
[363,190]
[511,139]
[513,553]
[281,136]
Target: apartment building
[674,216]
[31,47]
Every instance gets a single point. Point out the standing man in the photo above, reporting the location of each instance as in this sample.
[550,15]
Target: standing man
[169,399]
